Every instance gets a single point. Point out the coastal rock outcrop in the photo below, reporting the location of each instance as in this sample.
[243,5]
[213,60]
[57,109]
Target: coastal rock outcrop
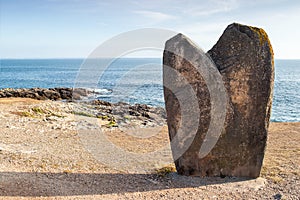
[243,57]
[46,94]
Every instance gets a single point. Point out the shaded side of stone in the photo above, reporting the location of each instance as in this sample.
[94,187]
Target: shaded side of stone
[178,54]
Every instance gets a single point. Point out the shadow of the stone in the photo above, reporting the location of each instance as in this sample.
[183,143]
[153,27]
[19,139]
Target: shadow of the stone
[73,184]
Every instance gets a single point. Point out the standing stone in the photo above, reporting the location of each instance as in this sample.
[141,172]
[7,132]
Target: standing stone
[243,57]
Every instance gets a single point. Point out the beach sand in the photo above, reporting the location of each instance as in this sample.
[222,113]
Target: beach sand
[43,157]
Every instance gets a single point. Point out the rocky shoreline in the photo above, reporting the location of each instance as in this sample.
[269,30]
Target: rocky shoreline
[61,93]
[121,115]
[114,114]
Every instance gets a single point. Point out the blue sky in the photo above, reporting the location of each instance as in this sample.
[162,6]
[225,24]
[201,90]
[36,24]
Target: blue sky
[74,28]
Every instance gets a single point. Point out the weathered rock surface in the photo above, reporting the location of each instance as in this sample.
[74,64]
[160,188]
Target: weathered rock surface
[243,56]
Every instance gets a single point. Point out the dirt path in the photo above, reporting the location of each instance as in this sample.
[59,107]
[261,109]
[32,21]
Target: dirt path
[42,157]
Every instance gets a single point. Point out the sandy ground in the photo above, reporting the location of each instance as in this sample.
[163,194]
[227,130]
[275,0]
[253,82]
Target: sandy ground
[44,155]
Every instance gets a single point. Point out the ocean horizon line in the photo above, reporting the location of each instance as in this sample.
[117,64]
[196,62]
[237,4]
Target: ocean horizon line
[80,58]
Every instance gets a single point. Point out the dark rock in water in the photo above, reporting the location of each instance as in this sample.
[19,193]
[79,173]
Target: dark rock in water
[81,92]
[51,94]
[65,94]
[244,58]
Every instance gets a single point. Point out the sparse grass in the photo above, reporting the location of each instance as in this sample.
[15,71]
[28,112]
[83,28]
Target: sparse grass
[165,170]
[55,115]
[103,117]
[112,124]
[23,114]
[83,114]
[46,112]
[39,110]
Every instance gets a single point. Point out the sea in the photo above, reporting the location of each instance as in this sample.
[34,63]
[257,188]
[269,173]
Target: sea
[134,80]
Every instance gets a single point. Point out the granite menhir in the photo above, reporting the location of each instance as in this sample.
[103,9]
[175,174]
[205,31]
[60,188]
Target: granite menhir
[244,59]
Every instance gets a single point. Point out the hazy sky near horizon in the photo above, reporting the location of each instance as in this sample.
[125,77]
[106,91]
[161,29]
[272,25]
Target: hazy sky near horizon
[74,28]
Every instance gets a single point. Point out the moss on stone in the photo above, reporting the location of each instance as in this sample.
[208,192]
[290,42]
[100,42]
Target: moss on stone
[263,37]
